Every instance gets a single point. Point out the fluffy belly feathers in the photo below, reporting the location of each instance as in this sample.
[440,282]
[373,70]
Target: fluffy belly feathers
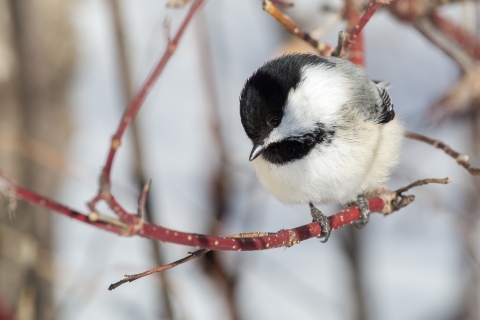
[337,173]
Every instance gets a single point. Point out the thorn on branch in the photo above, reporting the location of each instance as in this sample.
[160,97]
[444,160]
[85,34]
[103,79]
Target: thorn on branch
[461,158]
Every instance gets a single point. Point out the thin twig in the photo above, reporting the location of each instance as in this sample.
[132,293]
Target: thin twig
[322,48]
[131,111]
[461,158]
[130,278]
[422,183]
[191,256]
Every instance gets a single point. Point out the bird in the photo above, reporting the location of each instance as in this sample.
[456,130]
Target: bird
[322,131]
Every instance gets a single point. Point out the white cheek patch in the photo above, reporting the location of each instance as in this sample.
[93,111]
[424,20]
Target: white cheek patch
[317,99]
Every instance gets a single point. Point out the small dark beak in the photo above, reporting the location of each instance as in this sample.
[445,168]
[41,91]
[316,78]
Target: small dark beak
[256,151]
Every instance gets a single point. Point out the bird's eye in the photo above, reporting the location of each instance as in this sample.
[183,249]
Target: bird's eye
[274,121]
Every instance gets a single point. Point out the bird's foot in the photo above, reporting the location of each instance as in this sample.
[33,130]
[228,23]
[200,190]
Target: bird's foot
[362,205]
[322,220]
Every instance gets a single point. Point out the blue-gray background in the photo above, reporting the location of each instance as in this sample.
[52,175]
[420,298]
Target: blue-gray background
[413,264]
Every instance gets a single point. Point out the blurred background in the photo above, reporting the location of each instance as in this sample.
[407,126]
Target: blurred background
[69,68]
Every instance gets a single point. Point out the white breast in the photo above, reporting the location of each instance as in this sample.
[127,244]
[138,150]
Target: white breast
[357,160]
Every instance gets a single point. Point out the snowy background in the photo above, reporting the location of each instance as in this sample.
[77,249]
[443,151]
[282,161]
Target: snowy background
[414,264]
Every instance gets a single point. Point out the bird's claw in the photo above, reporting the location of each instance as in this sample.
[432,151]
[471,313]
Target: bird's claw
[364,209]
[322,220]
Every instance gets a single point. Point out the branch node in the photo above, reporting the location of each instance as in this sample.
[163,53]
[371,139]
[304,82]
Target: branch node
[93,216]
[463,158]
[401,201]
[116,143]
[172,47]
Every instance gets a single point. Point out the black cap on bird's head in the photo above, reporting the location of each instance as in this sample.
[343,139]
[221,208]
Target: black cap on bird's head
[263,98]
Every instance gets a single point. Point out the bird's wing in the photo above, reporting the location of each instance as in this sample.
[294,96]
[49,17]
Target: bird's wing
[386,113]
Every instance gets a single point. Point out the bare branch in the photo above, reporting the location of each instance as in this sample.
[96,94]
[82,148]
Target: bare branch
[422,183]
[461,158]
[9,188]
[282,238]
[131,111]
[130,278]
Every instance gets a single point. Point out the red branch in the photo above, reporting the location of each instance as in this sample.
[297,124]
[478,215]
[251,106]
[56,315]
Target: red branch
[132,109]
[465,39]
[352,15]
[8,187]
[283,238]
[357,52]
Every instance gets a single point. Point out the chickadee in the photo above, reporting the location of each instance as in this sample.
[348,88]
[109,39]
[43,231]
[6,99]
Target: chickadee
[322,132]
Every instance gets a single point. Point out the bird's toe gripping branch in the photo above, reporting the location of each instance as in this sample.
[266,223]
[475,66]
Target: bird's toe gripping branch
[322,220]
[364,209]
